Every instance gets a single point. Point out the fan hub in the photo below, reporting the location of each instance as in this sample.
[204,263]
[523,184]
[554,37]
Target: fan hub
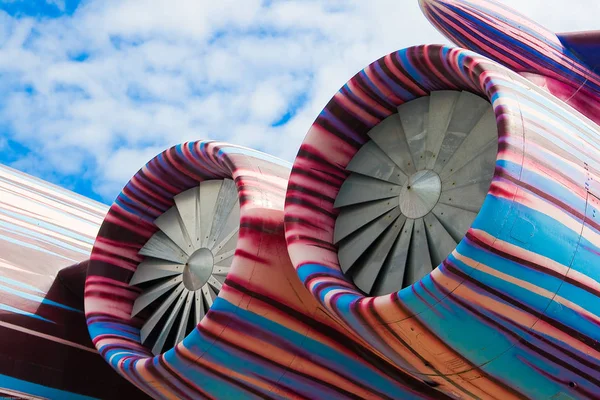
[198,269]
[420,194]
[414,190]
[187,261]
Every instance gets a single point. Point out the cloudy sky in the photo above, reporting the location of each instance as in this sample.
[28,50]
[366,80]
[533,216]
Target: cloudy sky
[91,90]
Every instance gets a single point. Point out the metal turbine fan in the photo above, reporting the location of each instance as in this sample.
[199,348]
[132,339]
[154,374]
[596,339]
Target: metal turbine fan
[187,260]
[415,190]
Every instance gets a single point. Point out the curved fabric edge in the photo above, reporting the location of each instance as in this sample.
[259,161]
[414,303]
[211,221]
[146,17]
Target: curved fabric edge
[477,311]
[265,336]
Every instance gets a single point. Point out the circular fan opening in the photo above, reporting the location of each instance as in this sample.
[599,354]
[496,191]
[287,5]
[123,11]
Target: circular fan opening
[186,262]
[415,189]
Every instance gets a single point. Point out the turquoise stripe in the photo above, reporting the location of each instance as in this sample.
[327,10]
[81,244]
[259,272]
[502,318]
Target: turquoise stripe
[244,364]
[43,237]
[21,312]
[37,298]
[55,228]
[33,389]
[33,247]
[20,284]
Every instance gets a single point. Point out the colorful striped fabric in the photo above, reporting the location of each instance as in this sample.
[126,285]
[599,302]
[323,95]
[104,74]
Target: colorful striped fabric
[57,226]
[514,311]
[44,341]
[496,31]
[265,336]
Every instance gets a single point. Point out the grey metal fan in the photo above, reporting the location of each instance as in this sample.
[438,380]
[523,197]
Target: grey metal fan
[187,261]
[415,189]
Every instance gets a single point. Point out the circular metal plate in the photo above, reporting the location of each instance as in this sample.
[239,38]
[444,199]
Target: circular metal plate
[420,194]
[415,189]
[186,261]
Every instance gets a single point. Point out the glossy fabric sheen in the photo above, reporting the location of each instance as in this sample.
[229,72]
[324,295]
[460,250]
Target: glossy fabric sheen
[496,31]
[514,310]
[585,44]
[43,337]
[265,336]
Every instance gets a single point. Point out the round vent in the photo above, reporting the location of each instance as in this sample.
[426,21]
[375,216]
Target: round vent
[186,261]
[415,189]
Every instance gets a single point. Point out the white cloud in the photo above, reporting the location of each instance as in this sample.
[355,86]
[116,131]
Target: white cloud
[60,4]
[104,90]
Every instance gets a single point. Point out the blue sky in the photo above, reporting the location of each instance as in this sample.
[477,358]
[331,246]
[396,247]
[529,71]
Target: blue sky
[92,90]
[39,8]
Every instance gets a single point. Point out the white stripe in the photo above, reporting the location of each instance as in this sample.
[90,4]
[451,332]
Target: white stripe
[20,395]
[47,337]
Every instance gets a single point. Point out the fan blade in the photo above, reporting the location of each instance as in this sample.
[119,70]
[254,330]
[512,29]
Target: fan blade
[209,295]
[160,246]
[414,117]
[439,240]
[227,244]
[372,161]
[366,272]
[221,270]
[171,224]
[455,220]
[185,316]
[209,192]
[468,111]
[356,244]
[353,217]
[164,333]
[441,105]
[153,293]
[419,263]
[226,201]
[390,138]
[392,275]
[230,231]
[360,189]
[188,206]
[225,258]
[484,133]
[478,170]
[199,311]
[469,197]
[150,324]
[152,268]
[215,284]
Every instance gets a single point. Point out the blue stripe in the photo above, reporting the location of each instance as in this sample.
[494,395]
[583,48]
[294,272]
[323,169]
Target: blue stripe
[33,389]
